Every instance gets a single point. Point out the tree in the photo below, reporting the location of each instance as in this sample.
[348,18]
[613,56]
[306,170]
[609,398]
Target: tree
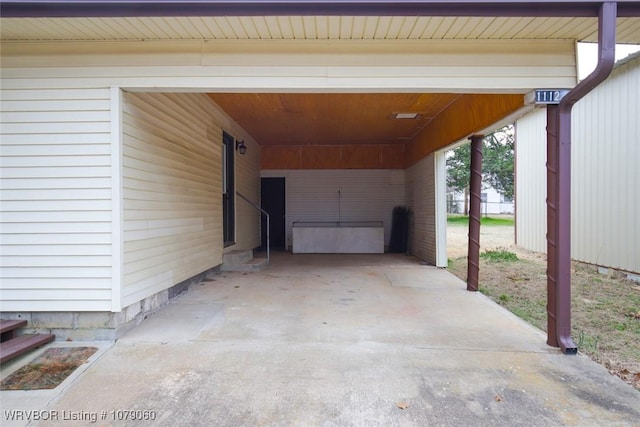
[497,164]
[459,171]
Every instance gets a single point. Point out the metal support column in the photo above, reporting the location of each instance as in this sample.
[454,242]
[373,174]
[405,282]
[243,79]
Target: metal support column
[475,189]
[559,186]
[552,223]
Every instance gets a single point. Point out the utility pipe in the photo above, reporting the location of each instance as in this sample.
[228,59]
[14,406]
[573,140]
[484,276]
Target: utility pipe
[475,189]
[559,189]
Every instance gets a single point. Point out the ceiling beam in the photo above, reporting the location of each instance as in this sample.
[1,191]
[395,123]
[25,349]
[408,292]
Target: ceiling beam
[123,8]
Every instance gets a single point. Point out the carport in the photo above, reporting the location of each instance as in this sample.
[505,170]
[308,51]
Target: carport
[350,156]
[373,340]
[382,86]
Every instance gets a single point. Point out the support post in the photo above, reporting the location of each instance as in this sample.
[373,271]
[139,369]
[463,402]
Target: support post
[559,186]
[552,223]
[475,189]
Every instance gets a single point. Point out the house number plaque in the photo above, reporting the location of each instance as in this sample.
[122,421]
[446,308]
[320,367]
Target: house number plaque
[549,96]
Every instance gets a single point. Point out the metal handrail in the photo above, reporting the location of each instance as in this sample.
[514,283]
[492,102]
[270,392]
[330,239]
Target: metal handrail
[265,213]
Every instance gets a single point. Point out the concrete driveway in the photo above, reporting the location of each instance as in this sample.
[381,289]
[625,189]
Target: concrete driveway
[328,340]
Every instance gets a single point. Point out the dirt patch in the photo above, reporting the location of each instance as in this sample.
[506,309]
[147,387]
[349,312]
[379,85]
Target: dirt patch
[605,308]
[49,369]
[491,237]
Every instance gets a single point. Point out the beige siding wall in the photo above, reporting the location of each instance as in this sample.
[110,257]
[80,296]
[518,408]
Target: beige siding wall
[421,199]
[172,190]
[56,205]
[434,65]
[605,174]
[248,184]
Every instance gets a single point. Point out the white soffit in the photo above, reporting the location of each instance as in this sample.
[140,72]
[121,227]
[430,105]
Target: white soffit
[309,28]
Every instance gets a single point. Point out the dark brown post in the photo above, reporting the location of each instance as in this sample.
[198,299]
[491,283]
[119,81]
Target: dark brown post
[563,234]
[475,188]
[558,234]
[559,186]
[552,224]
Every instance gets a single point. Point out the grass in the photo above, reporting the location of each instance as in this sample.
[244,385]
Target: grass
[605,308]
[499,255]
[485,220]
[587,344]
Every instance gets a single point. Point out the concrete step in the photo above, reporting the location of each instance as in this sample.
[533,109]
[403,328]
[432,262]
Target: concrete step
[256,264]
[242,260]
[231,259]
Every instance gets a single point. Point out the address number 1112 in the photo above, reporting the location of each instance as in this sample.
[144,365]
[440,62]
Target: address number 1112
[550,96]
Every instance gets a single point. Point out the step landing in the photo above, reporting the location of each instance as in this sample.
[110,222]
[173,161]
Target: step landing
[243,261]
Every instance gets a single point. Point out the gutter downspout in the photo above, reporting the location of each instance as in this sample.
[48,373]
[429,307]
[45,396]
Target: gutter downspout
[559,186]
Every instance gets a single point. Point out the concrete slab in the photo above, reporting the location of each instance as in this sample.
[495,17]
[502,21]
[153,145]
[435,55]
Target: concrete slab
[181,321]
[341,340]
[423,278]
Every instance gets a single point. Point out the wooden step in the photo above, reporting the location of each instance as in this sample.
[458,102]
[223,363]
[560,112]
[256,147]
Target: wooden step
[22,344]
[8,328]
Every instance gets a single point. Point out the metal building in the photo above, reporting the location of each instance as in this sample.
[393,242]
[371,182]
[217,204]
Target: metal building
[605,174]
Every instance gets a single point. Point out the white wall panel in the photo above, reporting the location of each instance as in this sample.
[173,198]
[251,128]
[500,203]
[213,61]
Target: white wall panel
[440,210]
[531,181]
[341,195]
[605,174]
[421,199]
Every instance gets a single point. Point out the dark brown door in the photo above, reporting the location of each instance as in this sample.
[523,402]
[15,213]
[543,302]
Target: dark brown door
[272,199]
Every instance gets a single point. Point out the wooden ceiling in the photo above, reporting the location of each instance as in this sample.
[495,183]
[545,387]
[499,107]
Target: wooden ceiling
[332,118]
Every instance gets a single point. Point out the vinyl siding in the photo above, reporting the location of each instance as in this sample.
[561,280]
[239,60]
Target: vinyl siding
[438,65]
[605,176]
[248,184]
[421,199]
[341,195]
[171,191]
[56,207]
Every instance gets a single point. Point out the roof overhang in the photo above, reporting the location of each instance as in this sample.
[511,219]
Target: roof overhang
[122,8]
[186,11]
